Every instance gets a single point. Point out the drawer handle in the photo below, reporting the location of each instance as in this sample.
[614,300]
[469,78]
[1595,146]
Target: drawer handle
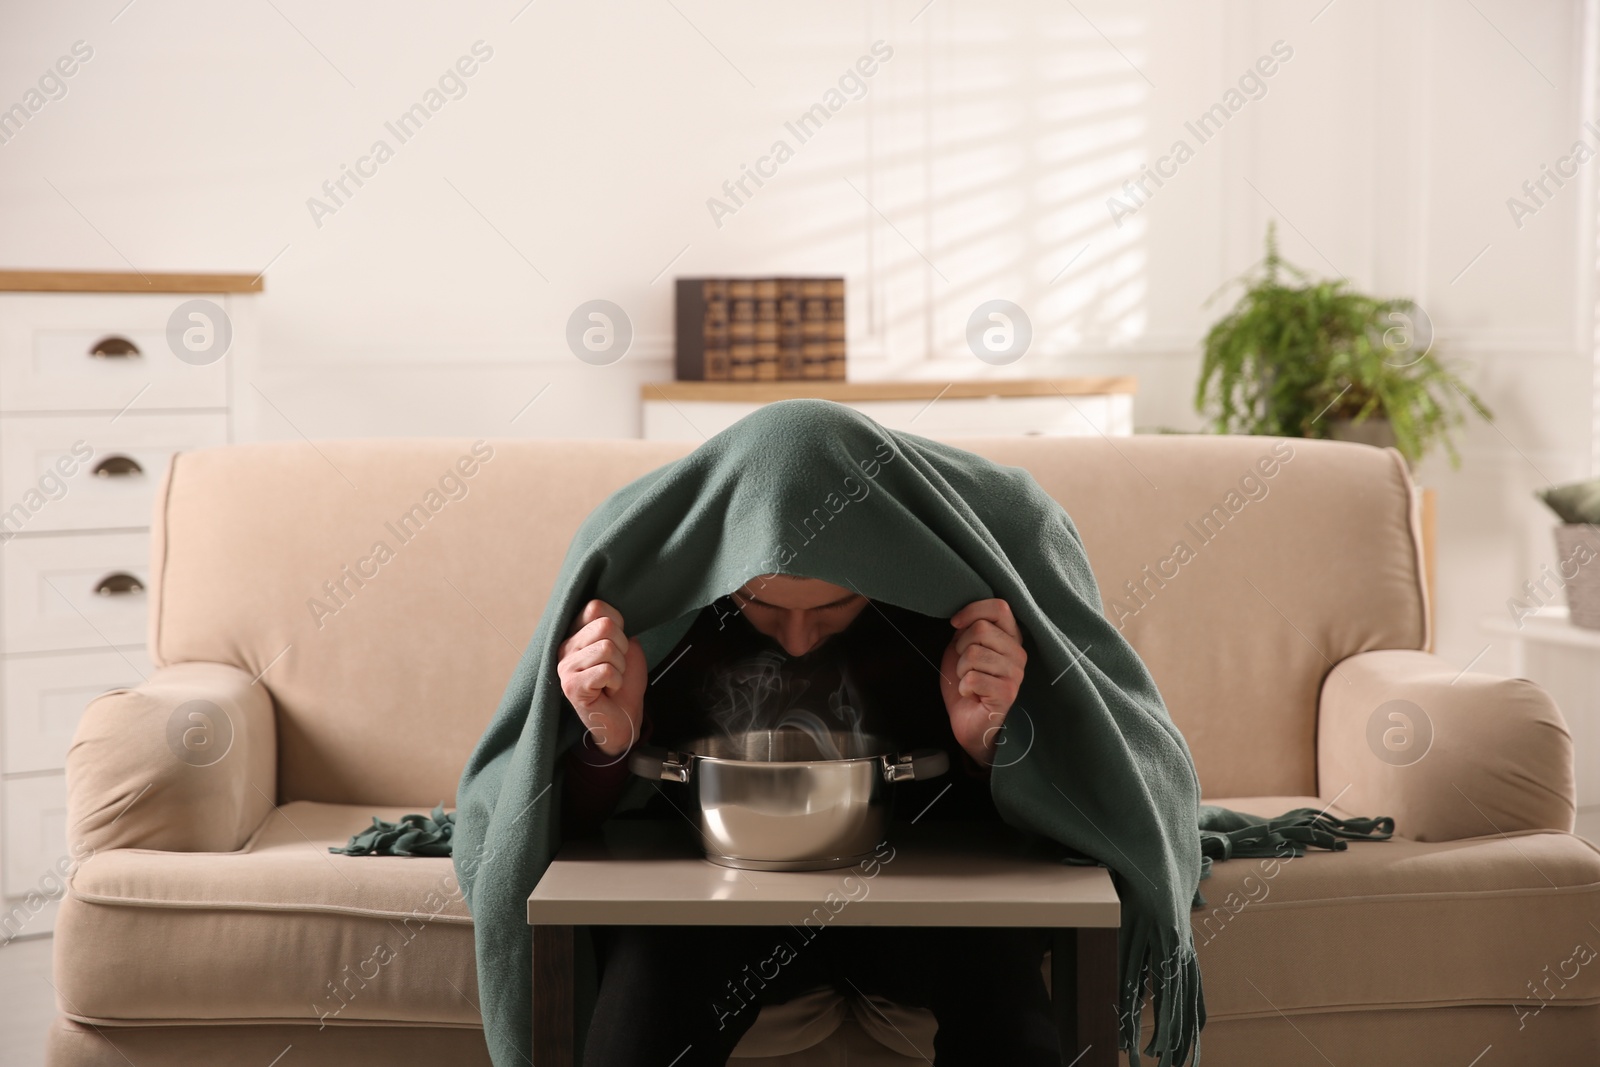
[115,347]
[117,467]
[119,584]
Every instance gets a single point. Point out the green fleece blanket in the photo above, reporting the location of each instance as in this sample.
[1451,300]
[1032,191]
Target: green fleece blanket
[413,835]
[1089,759]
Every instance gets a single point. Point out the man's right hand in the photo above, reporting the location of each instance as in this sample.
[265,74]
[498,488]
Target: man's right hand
[604,674]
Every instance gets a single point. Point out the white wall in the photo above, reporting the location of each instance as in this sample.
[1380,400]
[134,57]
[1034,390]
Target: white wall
[976,165]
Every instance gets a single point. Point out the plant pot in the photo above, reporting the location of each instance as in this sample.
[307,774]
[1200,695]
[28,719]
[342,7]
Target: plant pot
[1578,567]
[1371,431]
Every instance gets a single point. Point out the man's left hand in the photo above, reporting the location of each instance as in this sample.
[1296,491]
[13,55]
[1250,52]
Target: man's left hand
[981,673]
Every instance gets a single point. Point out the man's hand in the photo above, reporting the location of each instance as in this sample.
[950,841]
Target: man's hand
[981,673]
[603,674]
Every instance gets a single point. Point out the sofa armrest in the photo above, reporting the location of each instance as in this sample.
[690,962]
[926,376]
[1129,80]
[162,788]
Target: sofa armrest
[185,762]
[1448,754]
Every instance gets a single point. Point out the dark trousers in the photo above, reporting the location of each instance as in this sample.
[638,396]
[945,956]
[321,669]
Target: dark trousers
[684,995]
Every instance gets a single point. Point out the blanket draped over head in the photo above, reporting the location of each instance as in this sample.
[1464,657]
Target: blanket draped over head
[1088,756]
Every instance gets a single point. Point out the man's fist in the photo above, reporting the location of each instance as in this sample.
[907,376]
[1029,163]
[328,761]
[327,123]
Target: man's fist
[981,673]
[603,674]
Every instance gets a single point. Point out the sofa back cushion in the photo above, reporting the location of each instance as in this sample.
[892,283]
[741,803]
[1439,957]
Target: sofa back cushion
[385,589]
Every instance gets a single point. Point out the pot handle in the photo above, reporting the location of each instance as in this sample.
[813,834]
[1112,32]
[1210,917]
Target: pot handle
[649,761]
[917,765]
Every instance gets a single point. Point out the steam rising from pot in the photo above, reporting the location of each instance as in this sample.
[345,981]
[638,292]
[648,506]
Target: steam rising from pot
[750,701]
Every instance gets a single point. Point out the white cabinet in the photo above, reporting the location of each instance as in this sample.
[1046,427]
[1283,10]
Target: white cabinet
[35,827]
[102,378]
[113,466]
[690,411]
[45,696]
[101,352]
[75,591]
[34,855]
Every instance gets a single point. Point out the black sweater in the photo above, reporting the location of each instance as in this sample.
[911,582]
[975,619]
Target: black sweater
[880,671]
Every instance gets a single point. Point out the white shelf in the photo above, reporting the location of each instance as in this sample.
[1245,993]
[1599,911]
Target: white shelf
[1567,672]
[1549,624]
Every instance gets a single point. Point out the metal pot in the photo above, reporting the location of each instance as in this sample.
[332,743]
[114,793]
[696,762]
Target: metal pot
[788,799]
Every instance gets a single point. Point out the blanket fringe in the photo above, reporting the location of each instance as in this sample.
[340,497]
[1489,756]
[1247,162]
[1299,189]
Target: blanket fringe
[413,835]
[1225,834]
[1164,959]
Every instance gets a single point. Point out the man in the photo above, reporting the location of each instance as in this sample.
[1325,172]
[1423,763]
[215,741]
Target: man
[813,488]
[666,990]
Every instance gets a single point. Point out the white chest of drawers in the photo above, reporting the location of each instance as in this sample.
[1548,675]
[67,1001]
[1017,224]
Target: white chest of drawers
[102,378]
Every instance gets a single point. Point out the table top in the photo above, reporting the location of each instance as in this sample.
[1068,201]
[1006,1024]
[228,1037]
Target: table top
[847,392]
[81,281]
[647,871]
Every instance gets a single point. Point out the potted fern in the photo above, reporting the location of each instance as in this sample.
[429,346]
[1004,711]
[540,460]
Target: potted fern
[1577,505]
[1301,357]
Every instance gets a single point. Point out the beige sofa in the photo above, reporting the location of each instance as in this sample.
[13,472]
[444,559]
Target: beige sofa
[333,681]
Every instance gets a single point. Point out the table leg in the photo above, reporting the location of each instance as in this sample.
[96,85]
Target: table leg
[553,996]
[1083,980]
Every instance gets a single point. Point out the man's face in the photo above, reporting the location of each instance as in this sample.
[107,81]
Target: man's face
[798,613]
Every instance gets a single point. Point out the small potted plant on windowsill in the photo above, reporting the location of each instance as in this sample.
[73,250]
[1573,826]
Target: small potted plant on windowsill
[1577,505]
[1299,357]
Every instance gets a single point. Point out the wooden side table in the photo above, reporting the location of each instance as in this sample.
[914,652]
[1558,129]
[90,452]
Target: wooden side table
[939,874]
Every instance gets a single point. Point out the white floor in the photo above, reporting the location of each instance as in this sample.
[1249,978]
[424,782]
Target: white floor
[28,1001]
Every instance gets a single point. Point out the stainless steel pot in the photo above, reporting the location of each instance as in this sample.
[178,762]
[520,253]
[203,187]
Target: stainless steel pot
[788,799]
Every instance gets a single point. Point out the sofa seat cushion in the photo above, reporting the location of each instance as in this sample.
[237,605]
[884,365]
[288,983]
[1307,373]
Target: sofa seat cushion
[306,936]
[1503,919]
[281,929]
[1383,925]
[193,1044]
